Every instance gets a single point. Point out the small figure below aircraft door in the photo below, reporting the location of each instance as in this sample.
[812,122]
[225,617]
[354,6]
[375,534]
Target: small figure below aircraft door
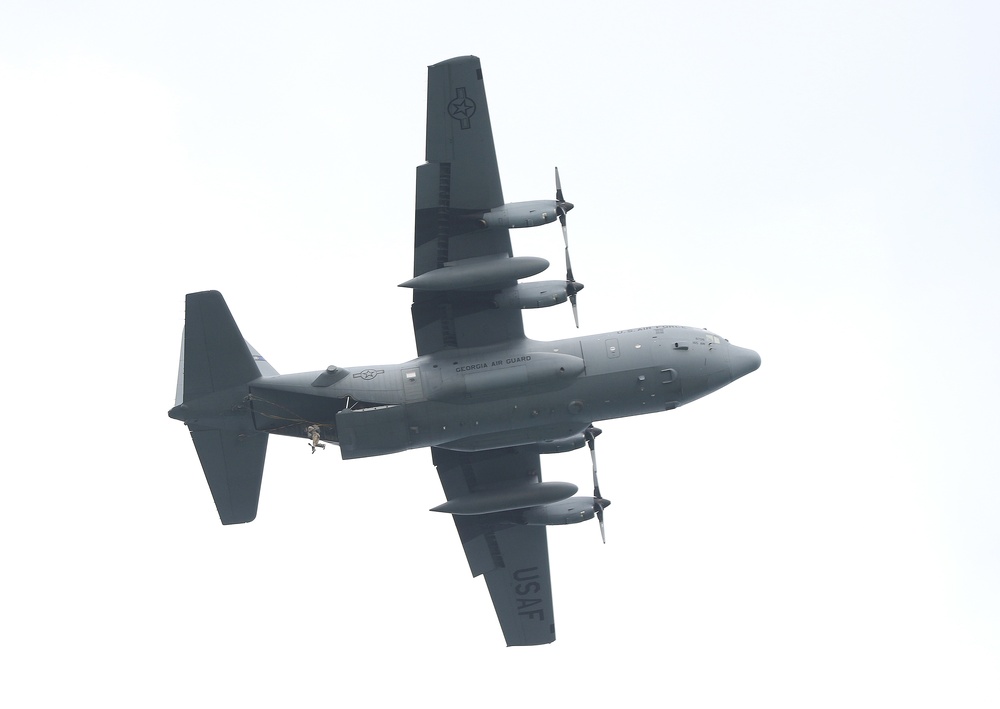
[314,442]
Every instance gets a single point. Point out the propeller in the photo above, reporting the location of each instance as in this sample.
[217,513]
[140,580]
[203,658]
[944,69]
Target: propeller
[572,286]
[600,503]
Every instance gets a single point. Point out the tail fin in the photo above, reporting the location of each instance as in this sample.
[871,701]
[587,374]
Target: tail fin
[216,368]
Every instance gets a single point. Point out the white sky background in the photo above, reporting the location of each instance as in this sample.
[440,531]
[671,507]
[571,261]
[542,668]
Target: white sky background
[817,181]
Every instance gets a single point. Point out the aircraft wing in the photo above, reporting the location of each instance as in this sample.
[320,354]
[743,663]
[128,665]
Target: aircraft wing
[514,558]
[459,183]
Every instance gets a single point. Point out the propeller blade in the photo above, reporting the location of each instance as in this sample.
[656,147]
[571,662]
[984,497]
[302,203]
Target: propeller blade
[562,206]
[600,503]
[593,460]
[572,287]
[590,434]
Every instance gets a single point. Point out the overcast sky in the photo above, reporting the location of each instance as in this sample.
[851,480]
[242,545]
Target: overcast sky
[816,181]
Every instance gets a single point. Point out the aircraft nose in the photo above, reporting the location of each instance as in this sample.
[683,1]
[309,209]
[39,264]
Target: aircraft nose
[742,361]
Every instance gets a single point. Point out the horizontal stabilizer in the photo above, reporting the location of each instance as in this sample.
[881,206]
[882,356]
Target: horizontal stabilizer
[233,464]
[216,356]
[217,366]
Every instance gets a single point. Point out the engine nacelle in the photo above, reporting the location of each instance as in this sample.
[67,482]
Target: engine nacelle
[517,215]
[571,511]
[535,294]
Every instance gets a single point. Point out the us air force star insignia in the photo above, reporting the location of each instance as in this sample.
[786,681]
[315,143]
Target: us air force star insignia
[461,108]
[369,373]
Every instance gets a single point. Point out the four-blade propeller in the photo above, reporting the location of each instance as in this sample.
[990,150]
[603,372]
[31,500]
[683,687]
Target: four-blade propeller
[600,503]
[572,286]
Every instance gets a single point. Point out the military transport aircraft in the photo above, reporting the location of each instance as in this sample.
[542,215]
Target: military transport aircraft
[487,400]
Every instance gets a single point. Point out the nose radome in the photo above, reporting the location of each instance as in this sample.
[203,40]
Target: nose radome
[742,361]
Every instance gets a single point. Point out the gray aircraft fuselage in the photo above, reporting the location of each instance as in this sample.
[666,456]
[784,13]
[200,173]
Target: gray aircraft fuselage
[526,392]
[486,399]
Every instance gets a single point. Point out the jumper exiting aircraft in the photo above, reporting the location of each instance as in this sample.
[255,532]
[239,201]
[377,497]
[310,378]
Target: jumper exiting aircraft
[487,400]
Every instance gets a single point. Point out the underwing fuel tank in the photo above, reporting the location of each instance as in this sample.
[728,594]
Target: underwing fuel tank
[502,499]
[539,370]
[477,273]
